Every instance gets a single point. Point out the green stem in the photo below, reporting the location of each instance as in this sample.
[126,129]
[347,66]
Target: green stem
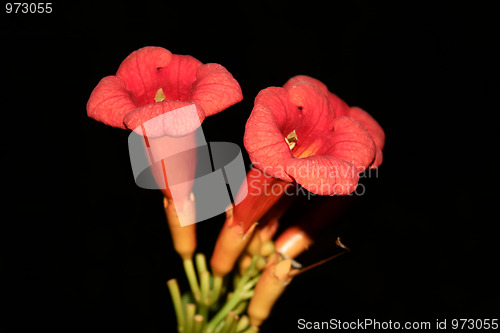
[216,289]
[201,263]
[229,322]
[238,309]
[203,312]
[250,284]
[190,311]
[219,328]
[240,291]
[246,295]
[205,288]
[191,276]
[233,327]
[233,301]
[198,323]
[175,294]
[248,273]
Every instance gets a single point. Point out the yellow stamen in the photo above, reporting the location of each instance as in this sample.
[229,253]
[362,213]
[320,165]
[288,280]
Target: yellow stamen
[160,96]
[291,139]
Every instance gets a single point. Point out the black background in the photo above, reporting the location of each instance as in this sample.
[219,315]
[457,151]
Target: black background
[89,241]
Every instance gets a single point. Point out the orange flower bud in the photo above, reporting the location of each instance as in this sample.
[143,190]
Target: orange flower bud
[184,238]
[231,242]
[292,242]
[271,285]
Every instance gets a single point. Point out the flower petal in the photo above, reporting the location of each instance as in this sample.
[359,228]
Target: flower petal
[351,142]
[272,116]
[277,101]
[313,106]
[110,102]
[373,128]
[266,144]
[324,175]
[178,77]
[341,108]
[215,89]
[315,115]
[172,118]
[300,78]
[141,72]
[338,104]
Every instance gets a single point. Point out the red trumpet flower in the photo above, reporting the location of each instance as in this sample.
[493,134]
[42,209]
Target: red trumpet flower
[152,82]
[304,133]
[133,95]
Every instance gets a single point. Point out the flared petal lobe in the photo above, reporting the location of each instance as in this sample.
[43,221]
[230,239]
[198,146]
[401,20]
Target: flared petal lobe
[324,175]
[179,118]
[272,116]
[215,89]
[305,78]
[350,141]
[110,101]
[337,103]
[373,128]
[370,124]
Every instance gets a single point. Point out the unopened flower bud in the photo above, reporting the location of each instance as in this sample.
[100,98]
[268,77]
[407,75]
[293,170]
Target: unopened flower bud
[184,238]
[271,285]
[292,242]
[231,242]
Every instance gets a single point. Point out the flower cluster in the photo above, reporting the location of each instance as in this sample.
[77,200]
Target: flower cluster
[300,134]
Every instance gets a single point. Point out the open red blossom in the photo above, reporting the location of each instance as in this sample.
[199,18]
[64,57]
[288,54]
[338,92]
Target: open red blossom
[304,133]
[342,109]
[164,97]
[129,98]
